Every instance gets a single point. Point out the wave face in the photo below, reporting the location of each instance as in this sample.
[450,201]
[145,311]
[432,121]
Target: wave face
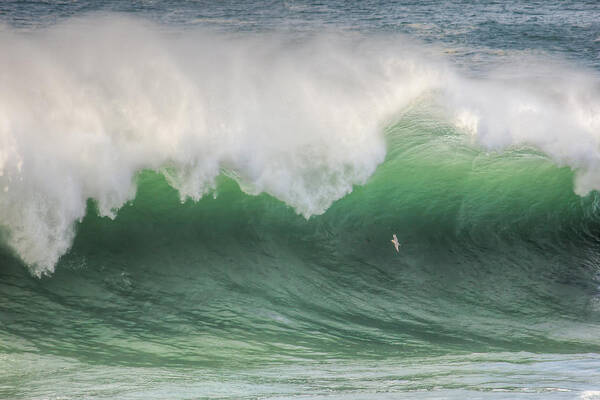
[301,119]
[499,256]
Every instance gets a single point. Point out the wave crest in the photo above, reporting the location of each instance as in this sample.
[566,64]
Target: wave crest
[88,104]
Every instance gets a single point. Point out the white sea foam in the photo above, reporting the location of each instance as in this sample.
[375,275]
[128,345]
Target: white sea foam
[88,104]
[556,110]
[590,395]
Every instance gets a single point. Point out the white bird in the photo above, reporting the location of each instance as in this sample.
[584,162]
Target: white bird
[396,242]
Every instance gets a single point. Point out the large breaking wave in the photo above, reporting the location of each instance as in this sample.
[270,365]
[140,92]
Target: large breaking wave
[89,104]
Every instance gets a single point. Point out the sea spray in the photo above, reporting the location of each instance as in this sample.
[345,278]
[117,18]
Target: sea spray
[84,111]
[88,104]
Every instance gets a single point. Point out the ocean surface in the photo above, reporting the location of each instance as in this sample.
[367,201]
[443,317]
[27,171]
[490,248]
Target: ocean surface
[197,200]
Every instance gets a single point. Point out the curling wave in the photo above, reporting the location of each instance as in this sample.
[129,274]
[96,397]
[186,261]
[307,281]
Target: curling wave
[89,104]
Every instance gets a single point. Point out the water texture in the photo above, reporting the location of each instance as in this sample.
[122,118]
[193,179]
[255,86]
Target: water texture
[197,200]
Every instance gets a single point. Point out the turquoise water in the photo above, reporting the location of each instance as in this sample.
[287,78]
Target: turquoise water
[198,200]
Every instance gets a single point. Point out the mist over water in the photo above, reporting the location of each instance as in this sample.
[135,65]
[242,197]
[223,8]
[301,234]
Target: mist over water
[201,206]
[300,119]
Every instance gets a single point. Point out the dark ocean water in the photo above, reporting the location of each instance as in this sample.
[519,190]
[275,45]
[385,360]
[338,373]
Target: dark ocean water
[197,200]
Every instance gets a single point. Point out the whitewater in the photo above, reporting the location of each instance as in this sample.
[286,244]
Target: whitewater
[197,200]
[83,112]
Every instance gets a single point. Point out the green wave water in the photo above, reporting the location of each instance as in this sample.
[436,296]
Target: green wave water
[495,287]
[159,160]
